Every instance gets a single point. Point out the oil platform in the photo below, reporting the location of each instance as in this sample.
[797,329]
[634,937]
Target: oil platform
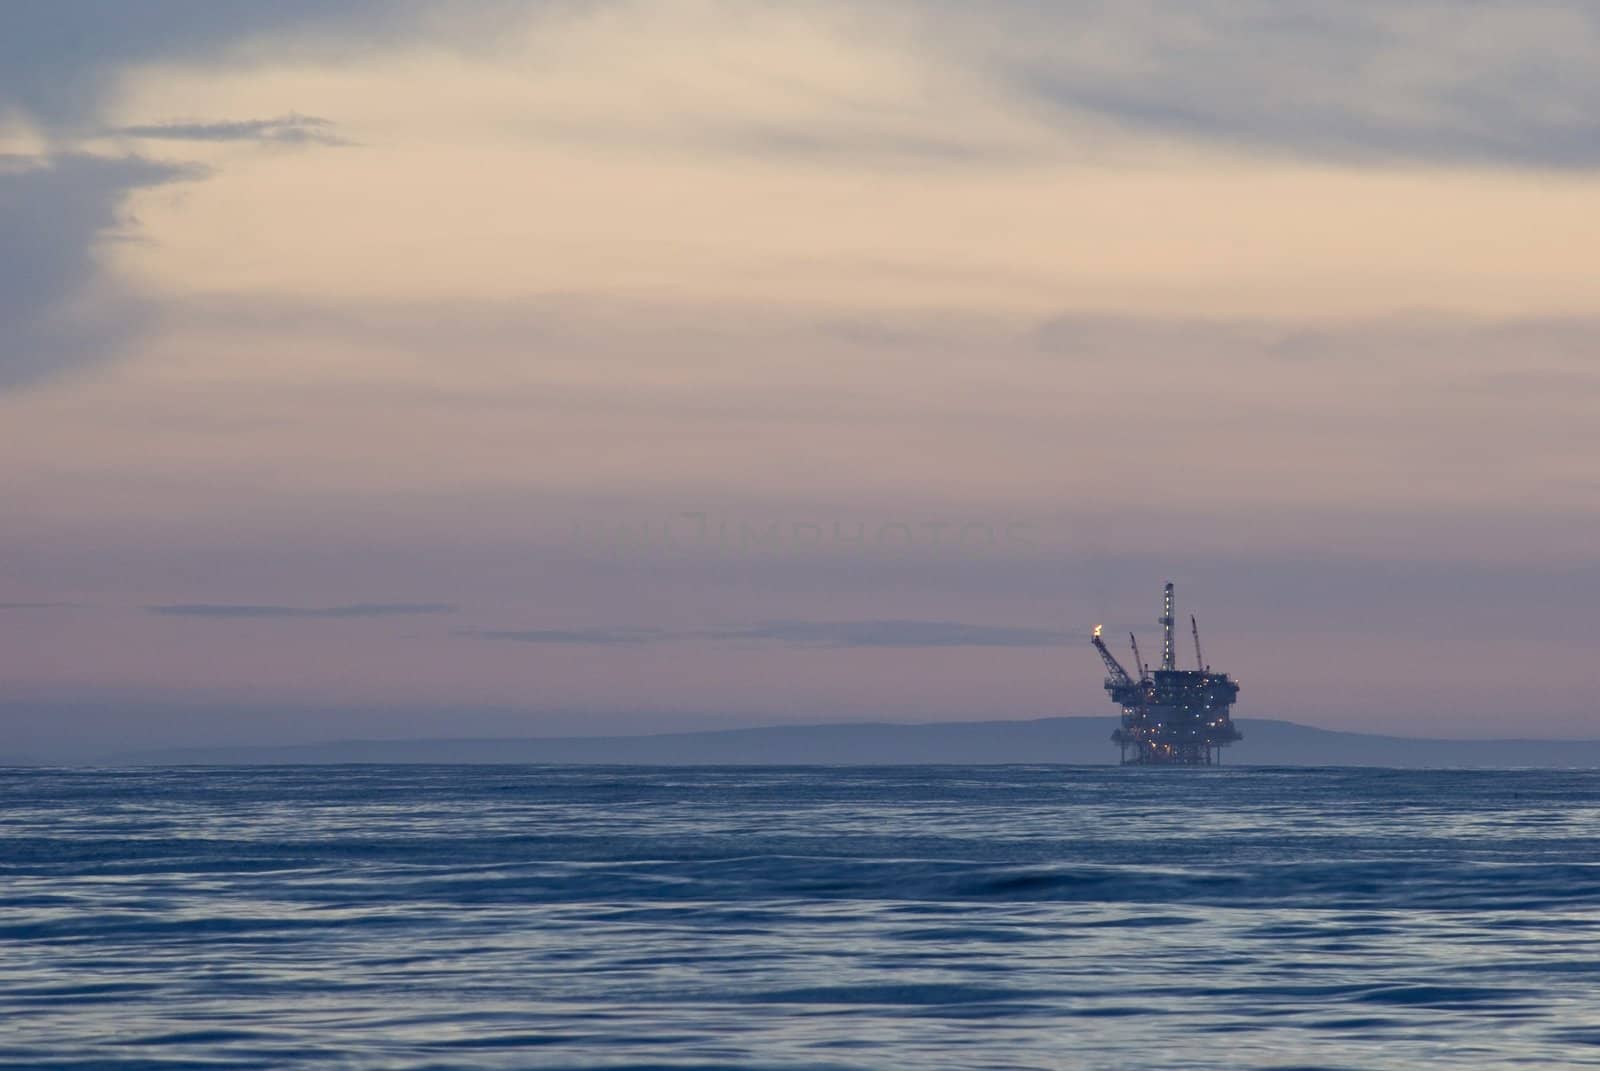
[1172,717]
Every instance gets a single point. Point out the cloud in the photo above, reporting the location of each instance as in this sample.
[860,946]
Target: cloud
[1497,81]
[53,210]
[587,637]
[58,60]
[1088,334]
[289,129]
[897,633]
[1539,383]
[824,140]
[831,142]
[246,611]
[34,605]
[1494,81]
[1448,342]
[883,633]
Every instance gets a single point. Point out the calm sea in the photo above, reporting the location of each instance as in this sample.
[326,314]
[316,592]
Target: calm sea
[907,918]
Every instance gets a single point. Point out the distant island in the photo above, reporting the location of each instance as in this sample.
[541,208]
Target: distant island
[1072,741]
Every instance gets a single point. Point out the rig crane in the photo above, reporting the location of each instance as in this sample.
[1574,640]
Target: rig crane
[1113,667]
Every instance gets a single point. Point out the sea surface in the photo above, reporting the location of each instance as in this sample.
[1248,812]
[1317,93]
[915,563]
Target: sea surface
[887,918]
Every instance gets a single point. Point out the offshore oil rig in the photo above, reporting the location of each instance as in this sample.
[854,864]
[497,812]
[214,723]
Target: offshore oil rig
[1172,717]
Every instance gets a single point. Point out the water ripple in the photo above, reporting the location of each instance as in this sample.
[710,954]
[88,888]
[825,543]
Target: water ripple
[1028,918]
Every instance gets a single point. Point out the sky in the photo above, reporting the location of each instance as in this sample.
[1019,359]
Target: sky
[397,370]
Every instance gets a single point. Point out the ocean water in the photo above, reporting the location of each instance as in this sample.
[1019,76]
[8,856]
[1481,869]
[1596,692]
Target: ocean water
[929,917]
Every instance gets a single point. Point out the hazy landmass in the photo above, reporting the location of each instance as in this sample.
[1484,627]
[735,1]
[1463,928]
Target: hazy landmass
[1267,742]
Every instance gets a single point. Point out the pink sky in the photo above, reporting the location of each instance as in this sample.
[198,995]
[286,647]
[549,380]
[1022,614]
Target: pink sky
[522,370]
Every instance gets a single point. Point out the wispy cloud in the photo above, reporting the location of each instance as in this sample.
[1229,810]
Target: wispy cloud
[58,61]
[1491,82]
[832,634]
[896,633]
[819,140]
[361,609]
[1452,339]
[289,129]
[1497,81]
[1536,383]
[582,637]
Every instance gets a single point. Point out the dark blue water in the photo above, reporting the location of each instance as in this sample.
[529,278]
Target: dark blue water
[1039,917]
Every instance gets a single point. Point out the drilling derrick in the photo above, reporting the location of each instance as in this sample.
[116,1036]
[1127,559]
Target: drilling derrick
[1169,657]
[1171,717]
